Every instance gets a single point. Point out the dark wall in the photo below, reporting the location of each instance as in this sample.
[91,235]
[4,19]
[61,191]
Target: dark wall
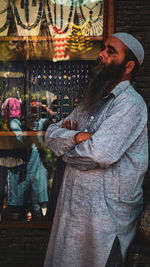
[133,16]
[23,247]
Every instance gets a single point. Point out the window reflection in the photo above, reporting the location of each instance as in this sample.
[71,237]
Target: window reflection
[39,86]
[25,166]
[30,174]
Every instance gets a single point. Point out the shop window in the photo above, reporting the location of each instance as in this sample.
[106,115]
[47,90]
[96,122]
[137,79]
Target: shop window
[46,50]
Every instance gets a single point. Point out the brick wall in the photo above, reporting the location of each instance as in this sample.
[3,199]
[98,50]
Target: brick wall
[23,247]
[133,16]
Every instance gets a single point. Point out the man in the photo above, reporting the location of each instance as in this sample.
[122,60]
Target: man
[104,145]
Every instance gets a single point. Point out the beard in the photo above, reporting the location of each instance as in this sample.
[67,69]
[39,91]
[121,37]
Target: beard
[100,78]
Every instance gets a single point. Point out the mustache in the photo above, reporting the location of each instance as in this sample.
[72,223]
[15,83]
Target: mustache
[99,61]
[97,67]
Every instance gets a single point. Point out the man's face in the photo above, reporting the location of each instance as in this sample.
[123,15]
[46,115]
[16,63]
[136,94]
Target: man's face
[109,69]
[113,52]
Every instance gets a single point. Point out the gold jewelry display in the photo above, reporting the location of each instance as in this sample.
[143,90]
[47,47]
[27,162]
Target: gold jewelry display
[77,42]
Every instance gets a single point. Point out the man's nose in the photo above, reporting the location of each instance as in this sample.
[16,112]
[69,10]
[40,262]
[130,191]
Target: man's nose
[102,55]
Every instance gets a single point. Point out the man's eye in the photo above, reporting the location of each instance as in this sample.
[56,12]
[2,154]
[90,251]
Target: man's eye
[110,51]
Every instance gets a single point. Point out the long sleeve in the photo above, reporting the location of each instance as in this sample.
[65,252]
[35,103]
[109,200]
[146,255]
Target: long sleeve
[124,124]
[61,140]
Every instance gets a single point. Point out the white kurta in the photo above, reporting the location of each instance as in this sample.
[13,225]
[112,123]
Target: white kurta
[101,194]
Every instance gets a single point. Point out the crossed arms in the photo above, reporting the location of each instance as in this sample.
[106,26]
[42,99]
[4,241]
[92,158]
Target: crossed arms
[79,137]
[112,138]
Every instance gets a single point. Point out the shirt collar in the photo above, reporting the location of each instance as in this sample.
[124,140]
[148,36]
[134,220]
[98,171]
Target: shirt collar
[120,87]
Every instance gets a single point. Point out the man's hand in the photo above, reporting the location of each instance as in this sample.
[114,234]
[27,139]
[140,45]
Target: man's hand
[79,137]
[83,136]
[67,124]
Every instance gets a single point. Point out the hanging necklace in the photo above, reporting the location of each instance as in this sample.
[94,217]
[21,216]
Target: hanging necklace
[70,15]
[60,35]
[49,13]
[94,27]
[77,43]
[60,52]
[53,28]
[33,3]
[90,10]
[29,26]
[27,10]
[3,11]
[8,19]
[61,16]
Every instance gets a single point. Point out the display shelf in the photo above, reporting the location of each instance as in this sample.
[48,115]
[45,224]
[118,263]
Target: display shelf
[25,133]
[39,38]
[18,48]
[8,139]
[26,225]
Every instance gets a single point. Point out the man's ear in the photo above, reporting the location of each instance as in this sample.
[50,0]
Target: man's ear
[129,66]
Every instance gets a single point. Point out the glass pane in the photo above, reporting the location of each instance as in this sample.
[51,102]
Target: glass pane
[47,29]
[46,51]
[45,93]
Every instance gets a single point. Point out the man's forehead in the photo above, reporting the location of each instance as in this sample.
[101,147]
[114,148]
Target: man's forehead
[115,42]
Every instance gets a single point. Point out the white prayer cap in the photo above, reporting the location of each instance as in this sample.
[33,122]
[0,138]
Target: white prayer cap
[132,43]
